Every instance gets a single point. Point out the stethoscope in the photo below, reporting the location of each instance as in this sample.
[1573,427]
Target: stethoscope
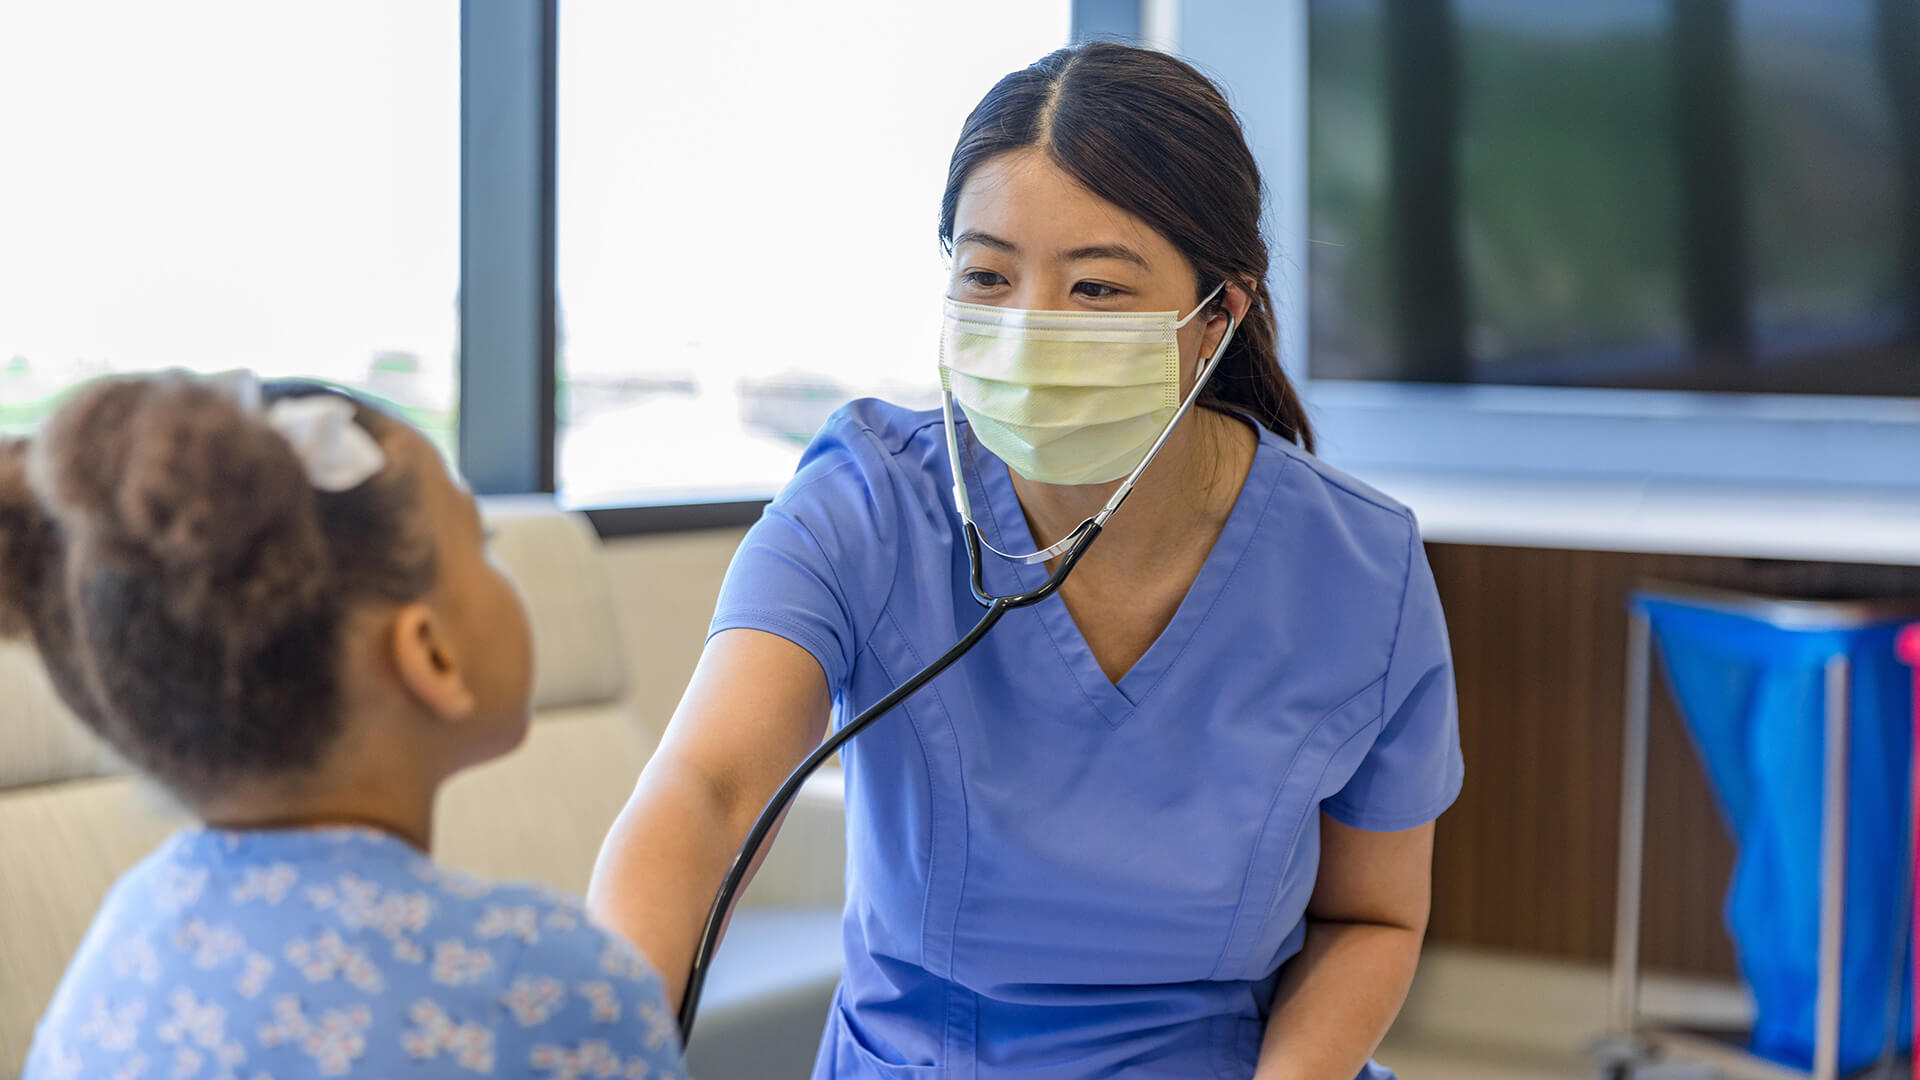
[1071,550]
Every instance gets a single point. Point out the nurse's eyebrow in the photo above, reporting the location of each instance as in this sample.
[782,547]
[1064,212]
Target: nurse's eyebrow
[1106,251]
[1094,251]
[975,236]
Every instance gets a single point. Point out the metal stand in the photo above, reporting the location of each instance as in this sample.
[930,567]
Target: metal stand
[1635,1042]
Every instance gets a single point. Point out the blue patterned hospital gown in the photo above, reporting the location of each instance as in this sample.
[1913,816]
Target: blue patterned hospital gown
[277,955]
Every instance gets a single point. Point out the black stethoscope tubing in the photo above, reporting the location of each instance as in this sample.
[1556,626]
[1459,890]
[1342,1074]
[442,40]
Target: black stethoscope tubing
[1079,541]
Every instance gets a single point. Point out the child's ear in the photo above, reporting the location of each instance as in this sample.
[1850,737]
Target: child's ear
[428,665]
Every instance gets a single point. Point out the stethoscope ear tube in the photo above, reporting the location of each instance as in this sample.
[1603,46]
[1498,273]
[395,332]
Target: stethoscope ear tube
[996,606]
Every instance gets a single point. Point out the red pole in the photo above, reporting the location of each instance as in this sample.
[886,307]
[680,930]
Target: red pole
[1909,646]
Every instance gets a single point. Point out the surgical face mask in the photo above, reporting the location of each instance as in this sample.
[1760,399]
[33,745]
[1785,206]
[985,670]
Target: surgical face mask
[1065,397]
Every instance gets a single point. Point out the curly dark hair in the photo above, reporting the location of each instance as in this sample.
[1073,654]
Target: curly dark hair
[184,584]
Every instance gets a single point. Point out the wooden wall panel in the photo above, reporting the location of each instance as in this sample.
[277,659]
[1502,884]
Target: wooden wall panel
[1526,858]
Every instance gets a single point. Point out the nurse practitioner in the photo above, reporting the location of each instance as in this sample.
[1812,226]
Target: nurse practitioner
[1176,821]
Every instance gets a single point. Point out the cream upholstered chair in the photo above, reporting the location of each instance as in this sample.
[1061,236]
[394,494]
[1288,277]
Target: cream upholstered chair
[71,820]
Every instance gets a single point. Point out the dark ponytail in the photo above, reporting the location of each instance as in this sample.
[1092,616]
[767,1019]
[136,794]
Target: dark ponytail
[1154,137]
[184,584]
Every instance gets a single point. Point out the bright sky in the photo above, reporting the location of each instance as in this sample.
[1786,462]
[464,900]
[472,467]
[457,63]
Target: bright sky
[753,188]
[748,188]
[225,183]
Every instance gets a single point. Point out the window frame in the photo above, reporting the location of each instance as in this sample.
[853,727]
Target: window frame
[509,62]
[1391,433]
[508,68]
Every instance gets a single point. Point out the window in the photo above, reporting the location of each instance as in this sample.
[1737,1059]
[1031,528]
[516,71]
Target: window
[1823,143]
[1633,194]
[1565,185]
[219,184]
[748,196]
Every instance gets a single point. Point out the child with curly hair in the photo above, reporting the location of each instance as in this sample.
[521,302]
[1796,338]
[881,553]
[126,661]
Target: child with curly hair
[275,601]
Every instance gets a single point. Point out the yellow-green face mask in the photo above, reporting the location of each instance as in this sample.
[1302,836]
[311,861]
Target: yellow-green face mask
[1066,397]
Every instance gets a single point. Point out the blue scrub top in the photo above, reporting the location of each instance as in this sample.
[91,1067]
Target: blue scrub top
[1054,875]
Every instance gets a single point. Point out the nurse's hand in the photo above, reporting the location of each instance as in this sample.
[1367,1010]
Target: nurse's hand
[757,706]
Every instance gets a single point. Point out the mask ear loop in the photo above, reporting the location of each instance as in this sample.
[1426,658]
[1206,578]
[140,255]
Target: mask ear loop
[964,504]
[1199,385]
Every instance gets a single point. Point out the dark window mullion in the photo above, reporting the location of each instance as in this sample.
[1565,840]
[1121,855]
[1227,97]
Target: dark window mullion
[1708,130]
[507,304]
[1423,120]
[1899,33]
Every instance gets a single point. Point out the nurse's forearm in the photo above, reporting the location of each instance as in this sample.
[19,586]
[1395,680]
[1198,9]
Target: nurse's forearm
[1336,1000]
[757,705]
[662,863]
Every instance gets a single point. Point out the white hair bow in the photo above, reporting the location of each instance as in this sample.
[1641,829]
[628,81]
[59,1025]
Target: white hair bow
[337,453]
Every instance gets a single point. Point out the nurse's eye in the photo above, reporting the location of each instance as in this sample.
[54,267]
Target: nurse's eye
[982,279]
[1093,290]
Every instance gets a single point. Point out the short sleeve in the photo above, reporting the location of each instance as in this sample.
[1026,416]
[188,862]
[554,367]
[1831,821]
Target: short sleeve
[1414,770]
[584,1002]
[816,569]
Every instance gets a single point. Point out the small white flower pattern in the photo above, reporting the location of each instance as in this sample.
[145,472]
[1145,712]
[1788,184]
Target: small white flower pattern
[602,999]
[334,1041]
[269,884]
[435,1033]
[522,922]
[328,957]
[179,888]
[456,964]
[62,1064]
[662,1028]
[591,1060]
[204,1025]
[623,961]
[456,883]
[135,958]
[361,904]
[254,973]
[534,999]
[211,946]
[343,953]
[114,1027]
[465,886]
[288,1024]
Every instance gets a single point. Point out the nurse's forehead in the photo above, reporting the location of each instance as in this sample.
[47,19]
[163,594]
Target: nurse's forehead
[1022,203]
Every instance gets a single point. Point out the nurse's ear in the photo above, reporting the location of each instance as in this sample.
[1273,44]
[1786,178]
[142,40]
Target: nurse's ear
[1236,300]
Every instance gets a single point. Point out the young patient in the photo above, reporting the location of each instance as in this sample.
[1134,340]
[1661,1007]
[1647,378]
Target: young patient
[277,603]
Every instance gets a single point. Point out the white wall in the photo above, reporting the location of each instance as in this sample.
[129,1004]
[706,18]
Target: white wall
[664,590]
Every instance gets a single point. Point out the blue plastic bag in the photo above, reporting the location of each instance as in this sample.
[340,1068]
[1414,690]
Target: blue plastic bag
[1754,698]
